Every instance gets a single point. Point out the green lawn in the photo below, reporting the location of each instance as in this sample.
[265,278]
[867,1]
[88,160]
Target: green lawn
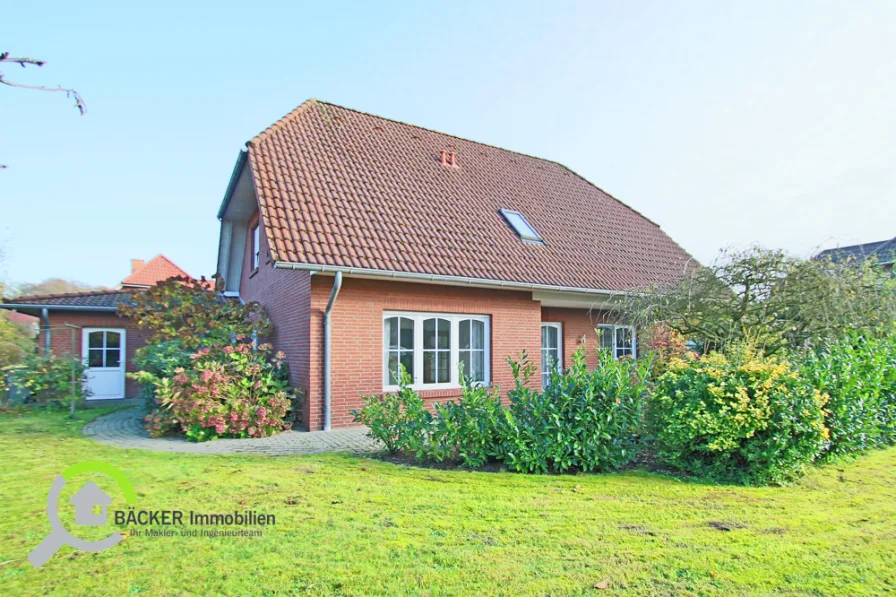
[350,526]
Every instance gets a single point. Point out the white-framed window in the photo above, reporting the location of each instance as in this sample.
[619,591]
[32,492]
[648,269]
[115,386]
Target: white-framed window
[431,345]
[620,340]
[551,350]
[256,247]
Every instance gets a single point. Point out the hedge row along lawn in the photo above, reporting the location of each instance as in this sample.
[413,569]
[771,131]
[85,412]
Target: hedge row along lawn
[353,526]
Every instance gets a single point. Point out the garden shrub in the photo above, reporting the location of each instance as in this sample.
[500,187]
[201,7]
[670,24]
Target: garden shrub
[736,417]
[47,380]
[858,373]
[230,390]
[467,431]
[399,420]
[464,431]
[583,421]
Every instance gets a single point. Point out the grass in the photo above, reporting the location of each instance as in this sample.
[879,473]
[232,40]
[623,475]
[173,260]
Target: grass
[353,526]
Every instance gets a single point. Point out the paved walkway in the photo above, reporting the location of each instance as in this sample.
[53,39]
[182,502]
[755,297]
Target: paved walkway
[125,430]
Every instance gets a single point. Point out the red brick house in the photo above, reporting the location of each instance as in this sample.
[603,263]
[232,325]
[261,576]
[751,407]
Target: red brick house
[371,242]
[88,324]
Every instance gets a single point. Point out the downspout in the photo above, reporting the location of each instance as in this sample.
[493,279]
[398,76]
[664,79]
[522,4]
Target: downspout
[45,315]
[328,347]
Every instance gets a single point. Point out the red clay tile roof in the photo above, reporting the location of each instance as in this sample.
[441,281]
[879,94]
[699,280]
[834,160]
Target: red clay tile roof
[345,188]
[152,272]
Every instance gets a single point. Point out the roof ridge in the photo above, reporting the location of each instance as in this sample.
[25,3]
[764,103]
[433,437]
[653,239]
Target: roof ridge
[288,117]
[307,103]
[882,243]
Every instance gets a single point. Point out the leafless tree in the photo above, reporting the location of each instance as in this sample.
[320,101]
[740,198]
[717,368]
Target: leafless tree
[24,62]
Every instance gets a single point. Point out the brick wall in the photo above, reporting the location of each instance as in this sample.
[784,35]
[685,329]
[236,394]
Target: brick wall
[285,295]
[357,358]
[578,330]
[61,339]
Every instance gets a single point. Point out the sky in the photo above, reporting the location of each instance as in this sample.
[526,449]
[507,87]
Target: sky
[727,123]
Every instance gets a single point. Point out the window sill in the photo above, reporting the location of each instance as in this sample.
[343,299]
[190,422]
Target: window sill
[442,391]
[254,272]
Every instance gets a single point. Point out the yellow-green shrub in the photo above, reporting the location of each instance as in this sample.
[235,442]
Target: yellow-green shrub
[736,418]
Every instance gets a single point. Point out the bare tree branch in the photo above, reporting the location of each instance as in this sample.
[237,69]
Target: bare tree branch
[24,61]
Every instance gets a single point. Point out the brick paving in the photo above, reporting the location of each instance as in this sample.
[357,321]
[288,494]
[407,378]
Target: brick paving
[125,430]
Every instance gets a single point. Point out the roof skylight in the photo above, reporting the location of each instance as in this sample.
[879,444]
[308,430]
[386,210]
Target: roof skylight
[522,226]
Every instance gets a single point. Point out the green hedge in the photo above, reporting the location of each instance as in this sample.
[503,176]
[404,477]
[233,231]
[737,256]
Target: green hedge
[584,421]
[858,374]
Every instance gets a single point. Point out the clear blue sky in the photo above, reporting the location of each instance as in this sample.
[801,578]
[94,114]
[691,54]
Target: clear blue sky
[727,123]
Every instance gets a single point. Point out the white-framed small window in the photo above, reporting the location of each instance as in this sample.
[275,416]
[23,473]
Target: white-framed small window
[431,345]
[551,350]
[620,340]
[256,247]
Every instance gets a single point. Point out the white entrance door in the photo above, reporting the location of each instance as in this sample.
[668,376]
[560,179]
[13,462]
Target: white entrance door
[103,351]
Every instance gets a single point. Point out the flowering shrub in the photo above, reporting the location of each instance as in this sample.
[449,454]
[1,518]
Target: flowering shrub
[232,390]
[48,379]
[666,345]
[737,417]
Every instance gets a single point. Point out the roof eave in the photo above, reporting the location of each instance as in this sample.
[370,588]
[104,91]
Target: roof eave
[234,177]
[445,279]
[36,308]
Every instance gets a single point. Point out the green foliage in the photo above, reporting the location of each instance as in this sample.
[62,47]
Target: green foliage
[185,310]
[399,420]
[858,373]
[467,431]
[738,417]
[48,380]
[464,431]
[162,358]
[15,344]
[583,421]
[769,299]
[228,391]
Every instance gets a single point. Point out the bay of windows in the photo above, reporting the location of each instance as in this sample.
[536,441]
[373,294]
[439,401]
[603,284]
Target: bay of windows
[430,346]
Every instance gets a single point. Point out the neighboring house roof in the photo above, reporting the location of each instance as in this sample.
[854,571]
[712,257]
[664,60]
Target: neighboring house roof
[152,272]
[102,300]
[338,187]
[884,251]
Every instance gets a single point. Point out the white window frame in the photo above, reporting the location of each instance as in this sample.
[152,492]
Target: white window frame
[454,320]
[559,365]
[616,328]
[256,241]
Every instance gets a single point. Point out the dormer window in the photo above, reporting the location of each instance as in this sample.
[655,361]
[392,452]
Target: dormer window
[522,227]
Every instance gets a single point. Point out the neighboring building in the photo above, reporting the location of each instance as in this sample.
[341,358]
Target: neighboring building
[147,274]
[88,323]
[430,250]
[883,251]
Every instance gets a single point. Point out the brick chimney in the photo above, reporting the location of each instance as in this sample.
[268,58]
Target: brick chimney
[136,264]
